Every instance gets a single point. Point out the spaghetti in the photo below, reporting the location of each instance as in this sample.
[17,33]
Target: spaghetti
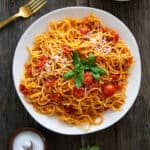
[43,83]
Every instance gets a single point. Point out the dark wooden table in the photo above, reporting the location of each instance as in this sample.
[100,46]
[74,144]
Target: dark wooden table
[130,133]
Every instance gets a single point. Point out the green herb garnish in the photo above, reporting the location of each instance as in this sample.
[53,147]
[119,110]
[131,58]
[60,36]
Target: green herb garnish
[68,75]
[80,65]
[90,148]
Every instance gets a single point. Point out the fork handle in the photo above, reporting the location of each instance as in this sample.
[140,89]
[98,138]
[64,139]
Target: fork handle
[8,20]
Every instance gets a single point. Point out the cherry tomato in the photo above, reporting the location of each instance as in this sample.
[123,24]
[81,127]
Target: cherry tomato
[66,50]
[113,33]
[114,76]
[29,70]
[129,61]
[43,59]
[23,89]
[116,36]
[41,62]
[78,92]
[105,29]
[50,82]
[120,85]
[109,89]
[88,78]
[84,30]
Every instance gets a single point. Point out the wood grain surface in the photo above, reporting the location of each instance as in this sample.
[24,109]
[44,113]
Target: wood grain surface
[130,133]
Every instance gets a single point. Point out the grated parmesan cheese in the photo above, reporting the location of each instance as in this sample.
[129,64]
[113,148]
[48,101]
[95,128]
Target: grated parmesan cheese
[93,40]
[106,49]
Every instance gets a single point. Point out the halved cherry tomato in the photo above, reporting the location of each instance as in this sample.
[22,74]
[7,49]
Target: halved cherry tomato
[116,36]
[23,89]
[78,92]
[109,89]
[114,76]
[84,30]
[113,33]
[29,70]
[120,85]
[88,78]
[66,50]
[41,62]
[129,61]
[50,82]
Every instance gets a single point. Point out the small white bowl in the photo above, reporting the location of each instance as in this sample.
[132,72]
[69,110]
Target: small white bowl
[122,0]
[21,55]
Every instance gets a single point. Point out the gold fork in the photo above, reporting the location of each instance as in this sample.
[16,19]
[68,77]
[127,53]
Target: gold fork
[25,11]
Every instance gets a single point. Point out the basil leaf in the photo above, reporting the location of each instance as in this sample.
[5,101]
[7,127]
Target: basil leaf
[90,148]
[77,69]
[76,59]
[85,64]
[94,148]
[99,70]
[91,60]
[86,67]
[95,75]
[68,75]
[79,78]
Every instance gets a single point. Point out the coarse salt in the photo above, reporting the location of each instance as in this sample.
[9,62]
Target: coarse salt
[25,138]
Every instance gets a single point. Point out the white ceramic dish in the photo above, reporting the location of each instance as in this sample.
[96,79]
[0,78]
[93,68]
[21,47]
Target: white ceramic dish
[39,26]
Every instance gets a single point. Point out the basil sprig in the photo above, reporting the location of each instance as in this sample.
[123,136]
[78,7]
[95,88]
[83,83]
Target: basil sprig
[90,148]
[80,65]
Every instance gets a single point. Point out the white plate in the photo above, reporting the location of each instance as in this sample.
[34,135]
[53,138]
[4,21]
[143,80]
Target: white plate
[21,55]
